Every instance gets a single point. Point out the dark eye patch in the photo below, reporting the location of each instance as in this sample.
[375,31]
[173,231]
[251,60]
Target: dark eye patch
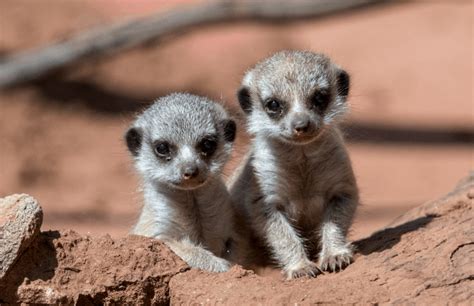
[274,107]
[162,149]
[208,145]
[320,100]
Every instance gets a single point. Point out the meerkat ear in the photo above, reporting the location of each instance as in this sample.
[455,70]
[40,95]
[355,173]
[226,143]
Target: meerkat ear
[244,99]
[133,138]
[229,130]
[343,83]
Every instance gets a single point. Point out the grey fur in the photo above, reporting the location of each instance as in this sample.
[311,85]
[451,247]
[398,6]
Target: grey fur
[192,215]
[298,189]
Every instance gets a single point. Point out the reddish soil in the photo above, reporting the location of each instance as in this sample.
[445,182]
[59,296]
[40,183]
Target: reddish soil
[62,267]
[61,139]
[422,258]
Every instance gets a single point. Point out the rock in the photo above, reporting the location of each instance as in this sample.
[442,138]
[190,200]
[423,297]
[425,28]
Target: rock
[462,195]
[425,258]
[67,268]
[20,222]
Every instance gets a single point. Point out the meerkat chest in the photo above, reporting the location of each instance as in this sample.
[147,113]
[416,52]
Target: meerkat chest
[208,222]
[301,180]
[296,181]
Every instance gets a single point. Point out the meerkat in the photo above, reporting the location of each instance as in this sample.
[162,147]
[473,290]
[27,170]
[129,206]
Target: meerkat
[179,146]
[296,184]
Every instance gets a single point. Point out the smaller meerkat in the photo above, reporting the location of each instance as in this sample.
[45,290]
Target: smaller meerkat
[296,185]
[179,146]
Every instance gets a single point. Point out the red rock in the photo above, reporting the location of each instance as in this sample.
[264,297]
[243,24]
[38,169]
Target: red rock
[20,222]
[425,257]
[64,267]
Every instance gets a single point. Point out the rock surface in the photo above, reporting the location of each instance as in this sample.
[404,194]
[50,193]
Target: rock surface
[20,222]
[64,267]
[425,257]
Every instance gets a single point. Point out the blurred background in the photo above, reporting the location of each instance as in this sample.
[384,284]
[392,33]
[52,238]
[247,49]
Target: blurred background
[409,134]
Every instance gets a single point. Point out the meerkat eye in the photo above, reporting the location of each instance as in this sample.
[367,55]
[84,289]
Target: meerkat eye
[273,105]
[208,146]
[162,149]
[320,100]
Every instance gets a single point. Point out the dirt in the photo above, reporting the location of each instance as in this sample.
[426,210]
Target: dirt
[422,258]
[65,267]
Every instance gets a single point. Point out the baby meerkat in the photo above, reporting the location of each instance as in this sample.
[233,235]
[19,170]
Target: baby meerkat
[179,145]
[296,185]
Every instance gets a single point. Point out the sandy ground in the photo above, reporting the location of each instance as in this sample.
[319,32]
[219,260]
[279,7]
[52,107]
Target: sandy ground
[61,140]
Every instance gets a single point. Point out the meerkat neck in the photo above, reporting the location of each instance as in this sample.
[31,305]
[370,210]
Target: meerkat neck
[181,198]
[293,152]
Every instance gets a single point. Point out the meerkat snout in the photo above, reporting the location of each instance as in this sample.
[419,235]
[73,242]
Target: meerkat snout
[300,127]
[190,172]
[300,123]
[190,175]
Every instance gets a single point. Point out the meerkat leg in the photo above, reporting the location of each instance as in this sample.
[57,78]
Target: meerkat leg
[288,247]
[336,252]
[198,257]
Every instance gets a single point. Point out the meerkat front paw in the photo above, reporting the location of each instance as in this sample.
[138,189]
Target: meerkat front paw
[307,269]
[335,260]
[219,265]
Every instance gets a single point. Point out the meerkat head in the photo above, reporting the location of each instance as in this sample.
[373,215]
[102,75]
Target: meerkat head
[293,96]
[181,141]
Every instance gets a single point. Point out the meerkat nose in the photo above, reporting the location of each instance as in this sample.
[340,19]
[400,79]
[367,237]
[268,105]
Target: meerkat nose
[190,172]
[300,125]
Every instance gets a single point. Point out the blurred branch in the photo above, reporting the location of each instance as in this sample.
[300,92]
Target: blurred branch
[35,64]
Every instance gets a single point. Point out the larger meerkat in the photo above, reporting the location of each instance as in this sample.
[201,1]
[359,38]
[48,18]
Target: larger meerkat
[296,185]
[180,144]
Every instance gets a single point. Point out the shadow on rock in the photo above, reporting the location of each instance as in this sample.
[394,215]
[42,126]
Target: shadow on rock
[359,132]
[387,238]
[37,262]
